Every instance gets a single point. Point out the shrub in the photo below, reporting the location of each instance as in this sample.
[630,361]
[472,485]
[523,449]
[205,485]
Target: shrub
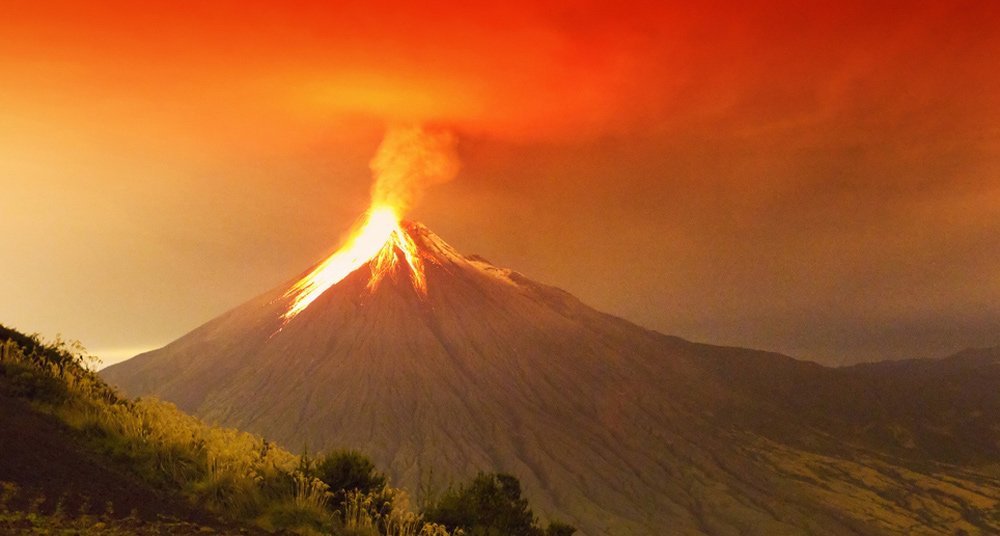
[490,505]
[24,381]
[557,528]
[348,470]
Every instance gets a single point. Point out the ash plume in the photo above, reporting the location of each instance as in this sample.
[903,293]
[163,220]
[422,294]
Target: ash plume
[409,160]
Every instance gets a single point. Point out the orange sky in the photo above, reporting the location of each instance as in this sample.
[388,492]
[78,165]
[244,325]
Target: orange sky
[822,181]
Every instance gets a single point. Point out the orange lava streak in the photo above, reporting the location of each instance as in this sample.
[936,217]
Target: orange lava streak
[376,243]
[387,260]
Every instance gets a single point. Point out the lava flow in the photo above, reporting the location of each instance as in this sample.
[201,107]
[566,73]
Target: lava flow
[376,243]
[409,159]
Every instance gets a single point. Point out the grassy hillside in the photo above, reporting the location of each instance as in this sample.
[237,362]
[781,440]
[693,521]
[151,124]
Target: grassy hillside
[80,457]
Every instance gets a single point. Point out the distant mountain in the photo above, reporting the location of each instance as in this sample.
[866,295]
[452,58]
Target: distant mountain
[612,427]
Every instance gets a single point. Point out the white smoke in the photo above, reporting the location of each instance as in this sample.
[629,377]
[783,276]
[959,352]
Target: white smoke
[410,159]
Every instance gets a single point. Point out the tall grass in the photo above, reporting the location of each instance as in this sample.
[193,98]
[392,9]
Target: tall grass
[387,513]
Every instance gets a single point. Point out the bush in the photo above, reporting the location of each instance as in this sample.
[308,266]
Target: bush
[348,470]
[491,505]
[559,529]
[23,381]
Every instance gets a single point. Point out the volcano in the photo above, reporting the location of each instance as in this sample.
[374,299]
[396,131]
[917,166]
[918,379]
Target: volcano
[609,426]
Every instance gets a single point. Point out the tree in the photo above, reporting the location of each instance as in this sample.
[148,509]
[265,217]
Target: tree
[491,505]
[348,470]
[557,528]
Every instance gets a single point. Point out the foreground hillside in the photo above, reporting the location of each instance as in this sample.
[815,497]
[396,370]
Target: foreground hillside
[76,457]
[57,478]
[49,483]
[617,429]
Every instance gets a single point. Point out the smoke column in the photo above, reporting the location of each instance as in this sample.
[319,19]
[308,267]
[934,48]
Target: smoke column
[410,159]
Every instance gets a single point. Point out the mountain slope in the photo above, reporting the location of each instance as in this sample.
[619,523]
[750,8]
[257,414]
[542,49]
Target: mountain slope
[616,428]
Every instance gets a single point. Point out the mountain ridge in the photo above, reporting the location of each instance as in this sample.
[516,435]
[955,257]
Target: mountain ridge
[617,428]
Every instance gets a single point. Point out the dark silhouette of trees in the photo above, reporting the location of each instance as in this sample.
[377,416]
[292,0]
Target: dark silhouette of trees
[557,528]
[348,470]
[491,505]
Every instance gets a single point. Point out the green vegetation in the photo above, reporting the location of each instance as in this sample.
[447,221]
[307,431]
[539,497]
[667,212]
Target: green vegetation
[348,471]
[238,477]
[491,505]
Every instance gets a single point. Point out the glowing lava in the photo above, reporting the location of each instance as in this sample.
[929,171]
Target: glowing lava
[409,159]
[376,243]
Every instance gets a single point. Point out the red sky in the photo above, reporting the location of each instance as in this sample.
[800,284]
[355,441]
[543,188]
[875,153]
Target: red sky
[821,179]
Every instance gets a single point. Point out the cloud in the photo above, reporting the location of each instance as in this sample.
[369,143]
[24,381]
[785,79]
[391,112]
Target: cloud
[520,70]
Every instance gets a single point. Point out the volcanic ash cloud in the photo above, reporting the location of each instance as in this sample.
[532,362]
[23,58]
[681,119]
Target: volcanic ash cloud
[410,159]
